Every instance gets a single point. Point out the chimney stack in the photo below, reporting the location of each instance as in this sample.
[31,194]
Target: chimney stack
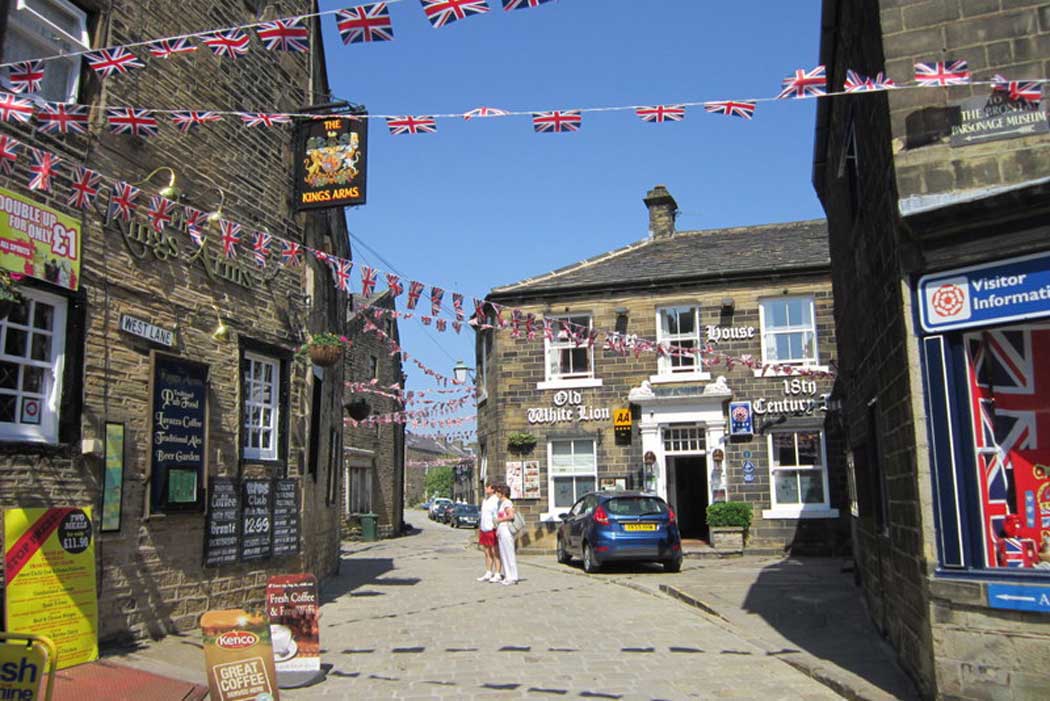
[662,210]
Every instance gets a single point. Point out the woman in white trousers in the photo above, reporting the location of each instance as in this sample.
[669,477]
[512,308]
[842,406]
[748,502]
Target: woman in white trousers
[504,517]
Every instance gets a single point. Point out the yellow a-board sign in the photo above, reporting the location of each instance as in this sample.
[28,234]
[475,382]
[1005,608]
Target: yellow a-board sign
[23,659]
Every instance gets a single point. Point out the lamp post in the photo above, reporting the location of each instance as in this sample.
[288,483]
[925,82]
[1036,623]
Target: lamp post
[460,372]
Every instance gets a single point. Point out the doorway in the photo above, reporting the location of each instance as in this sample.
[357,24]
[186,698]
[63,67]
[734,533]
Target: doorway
[687,493]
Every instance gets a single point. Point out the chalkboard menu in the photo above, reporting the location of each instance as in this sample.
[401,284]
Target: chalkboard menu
[178,431]
[222,528]
[286,517]
[257,521]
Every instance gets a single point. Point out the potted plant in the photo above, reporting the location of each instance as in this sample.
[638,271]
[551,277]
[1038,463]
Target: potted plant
[520,442]
[324,348]
[9,296]
[729,521]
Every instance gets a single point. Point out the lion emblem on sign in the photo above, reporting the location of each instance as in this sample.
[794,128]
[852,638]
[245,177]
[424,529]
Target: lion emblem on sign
[332,161]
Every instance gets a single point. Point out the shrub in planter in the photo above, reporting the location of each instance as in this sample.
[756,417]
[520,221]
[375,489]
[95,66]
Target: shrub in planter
[729,521]
[324,349]
[519,442]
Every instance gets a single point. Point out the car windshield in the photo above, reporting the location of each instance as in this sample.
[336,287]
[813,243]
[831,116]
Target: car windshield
[636,506]
[466,509]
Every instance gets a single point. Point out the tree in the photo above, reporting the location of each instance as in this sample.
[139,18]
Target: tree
[438,482]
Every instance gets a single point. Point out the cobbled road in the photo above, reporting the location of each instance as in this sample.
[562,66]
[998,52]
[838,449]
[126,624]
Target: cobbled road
[407,620]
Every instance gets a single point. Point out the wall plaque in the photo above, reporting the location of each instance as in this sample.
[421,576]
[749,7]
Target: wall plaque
[996,116]
[285,517]
[222,527]
[257,521]
[178,433]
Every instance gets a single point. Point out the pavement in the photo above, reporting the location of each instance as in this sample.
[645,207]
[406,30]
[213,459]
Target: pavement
[406,620]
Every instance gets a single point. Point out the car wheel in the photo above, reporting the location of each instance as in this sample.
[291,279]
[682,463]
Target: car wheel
[563,554]
[590,564]
[674,565]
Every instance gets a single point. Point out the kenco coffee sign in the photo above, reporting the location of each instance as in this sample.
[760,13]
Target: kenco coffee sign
[568,406]
[239,656]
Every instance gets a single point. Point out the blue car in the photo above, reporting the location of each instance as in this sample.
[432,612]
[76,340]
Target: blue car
[622,527]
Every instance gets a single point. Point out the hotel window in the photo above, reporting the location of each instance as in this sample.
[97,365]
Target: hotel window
[799,479]
[789,331]
[38,28]
[569,358]
[32,358]
[573,471]
[262,378]
[679,329]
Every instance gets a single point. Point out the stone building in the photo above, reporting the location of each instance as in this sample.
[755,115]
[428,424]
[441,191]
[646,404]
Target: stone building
[424,453]
[937,202]
[375,454]
[758,291]
[151,308]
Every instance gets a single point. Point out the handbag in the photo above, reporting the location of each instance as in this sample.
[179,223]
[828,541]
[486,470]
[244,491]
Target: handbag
[517,526]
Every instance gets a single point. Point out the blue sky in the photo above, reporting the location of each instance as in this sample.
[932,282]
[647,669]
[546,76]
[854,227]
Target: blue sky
[488,202]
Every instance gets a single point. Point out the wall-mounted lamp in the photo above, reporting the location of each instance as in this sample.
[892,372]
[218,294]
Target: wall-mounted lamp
[727,304]
[171,190]
[221,334]
[770,423]
[460,372]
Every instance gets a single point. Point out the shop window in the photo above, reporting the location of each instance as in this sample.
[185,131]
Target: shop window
[569,355]
[360,490]
[32,358]
[799,480]
[38,28]
[573,471]
[262,381]
[789,330]
[678,330]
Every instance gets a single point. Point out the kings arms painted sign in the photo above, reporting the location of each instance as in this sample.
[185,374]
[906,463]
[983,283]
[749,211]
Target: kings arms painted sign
[331,158]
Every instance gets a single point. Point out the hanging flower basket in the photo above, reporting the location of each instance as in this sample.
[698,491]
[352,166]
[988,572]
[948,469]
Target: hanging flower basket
[520,442]
[9,296]
[324,349]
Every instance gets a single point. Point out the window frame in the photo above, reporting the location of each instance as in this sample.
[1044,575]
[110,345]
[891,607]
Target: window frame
[554,510]
[354,495]
[802,509]
[764,331]
[22,19]
[250,358]
[665,370]
[558,345]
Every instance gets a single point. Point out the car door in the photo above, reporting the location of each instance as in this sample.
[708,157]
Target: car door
[573,525]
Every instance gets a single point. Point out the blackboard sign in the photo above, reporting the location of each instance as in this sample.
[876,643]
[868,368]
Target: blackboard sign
[222,527]
[178,432]
[286,517]
[257,522]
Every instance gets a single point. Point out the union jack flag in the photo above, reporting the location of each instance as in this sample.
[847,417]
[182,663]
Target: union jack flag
[285,35]
[196,235]
[365,23]
[457,326]
[106,62]
[342,270]
[414,290]
[855,82]
[509,5]
[457,305]
[442,12]
[230,44]
[59,118]
[812,83]
[393,283]
[436,295]
[479,317]
[942,73]
[261,247]
[122,201]
[291,254]
[368,280]
[548,329]
[553,122]
[187,120]
[731,108]
[128,120]
[427,320]
[412,125]
[193,217]
[84,187]
[159,212]
[166,48]
[1018,91]
[252,119]
[441,325]
[8,153]
[231,236]
[321,256]
[661,113]
[14,108]
[42,168]
[26,76]
[485,112]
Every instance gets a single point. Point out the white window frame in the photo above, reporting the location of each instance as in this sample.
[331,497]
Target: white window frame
[802,510]
[810,363]
[34,27]
[50,398]
[666,372]
[554,511]
[573,380]
[272,452]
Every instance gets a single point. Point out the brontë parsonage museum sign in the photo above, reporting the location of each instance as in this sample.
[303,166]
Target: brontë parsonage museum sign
[330,162]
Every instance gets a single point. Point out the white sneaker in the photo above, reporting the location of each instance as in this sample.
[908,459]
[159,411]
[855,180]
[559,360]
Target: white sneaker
[508,582]
[485,577]
[496,579]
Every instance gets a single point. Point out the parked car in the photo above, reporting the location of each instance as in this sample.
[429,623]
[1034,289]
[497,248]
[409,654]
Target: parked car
[620,526]
[444,512]
[434,505]
[466,515]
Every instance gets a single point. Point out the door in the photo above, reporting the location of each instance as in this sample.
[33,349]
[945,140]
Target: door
[689,499]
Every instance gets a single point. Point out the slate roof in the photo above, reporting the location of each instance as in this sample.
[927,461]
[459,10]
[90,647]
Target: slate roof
[425,444]
[724,254]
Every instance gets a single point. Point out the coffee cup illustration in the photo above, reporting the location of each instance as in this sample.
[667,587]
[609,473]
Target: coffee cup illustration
[281,638]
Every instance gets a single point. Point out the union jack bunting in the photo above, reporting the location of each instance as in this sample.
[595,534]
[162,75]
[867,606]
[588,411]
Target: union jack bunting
[252,119]
[229,44]
[285,35]
[548,330]
[26,76]
[509,5]
[342,270]
[426,320]
[802,83]
[193,217]
[107,62]
[661,113]
[231,236]
[159,212]
[1018,91]
[166,48]
[485,112]
[84,187]
[187,120]
[442,12]
[42,168]
[59,118]
[457,326]
[457,305]
[855,82]
[196,235]
[261,247]
[368,280]
[128,120]
[365,23]
[942,73]
[411,125]
[441,325]
[553,122]
[291,254]
[436,295]
[414,290]
[8,153]
[731,108]
[14,108]
[122,201]
[393,283]
[321,256]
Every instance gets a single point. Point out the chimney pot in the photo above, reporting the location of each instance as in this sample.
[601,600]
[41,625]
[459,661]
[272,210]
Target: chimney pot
[662,211]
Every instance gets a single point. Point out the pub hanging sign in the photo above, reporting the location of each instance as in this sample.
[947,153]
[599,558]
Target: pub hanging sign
[331,156]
